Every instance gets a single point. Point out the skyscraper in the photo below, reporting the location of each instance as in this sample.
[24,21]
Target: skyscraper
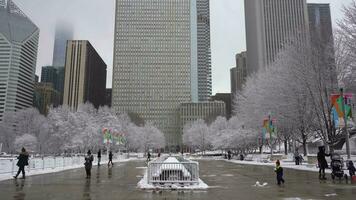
[320,24]
[85,75]
[269,24]
[204,52]
[64,32]
[156,61]
[54,75]
[321,38]
[18,54]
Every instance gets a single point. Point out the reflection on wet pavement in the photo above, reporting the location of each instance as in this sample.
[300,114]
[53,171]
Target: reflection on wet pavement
[227,181]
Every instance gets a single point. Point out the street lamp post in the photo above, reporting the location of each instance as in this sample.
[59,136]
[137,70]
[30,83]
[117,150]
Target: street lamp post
[347,135]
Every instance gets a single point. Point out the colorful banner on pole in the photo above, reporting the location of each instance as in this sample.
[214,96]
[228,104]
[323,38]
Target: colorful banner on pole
[337,111]
[268,127]
[113,137]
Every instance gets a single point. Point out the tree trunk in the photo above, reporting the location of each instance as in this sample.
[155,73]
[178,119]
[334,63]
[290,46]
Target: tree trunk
[304,144]
[285,147]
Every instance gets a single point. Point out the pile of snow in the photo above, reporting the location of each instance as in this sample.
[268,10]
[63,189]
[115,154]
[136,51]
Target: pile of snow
[258,184]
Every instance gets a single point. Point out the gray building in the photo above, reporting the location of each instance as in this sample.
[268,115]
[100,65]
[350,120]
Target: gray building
[85,75]
[207,111]
[269,24]
[54,75]
[320,24]
[18,54]
[64,32]
[233,80]
[322,39]
[227,98]
[238,74]
[156,61]
[204,52]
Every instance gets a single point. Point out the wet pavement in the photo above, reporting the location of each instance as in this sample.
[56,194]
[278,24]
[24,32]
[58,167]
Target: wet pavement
[227,181]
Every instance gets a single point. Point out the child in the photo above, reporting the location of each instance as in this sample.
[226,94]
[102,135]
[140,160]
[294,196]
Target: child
[351,168]
[279,172]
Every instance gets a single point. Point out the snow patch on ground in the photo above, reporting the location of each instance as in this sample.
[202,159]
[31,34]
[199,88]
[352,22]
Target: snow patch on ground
[55,170]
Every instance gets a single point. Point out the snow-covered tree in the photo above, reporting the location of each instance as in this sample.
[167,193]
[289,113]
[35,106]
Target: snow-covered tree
[197,135]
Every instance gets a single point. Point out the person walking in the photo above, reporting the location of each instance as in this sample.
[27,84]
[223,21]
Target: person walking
[323,164]
[351,169]
[148,157]
[296,157]
[279,173]
[89,158]
[99,157]
[229,155]
[110,158]
[23,161]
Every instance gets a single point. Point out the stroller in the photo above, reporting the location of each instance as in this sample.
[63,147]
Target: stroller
[337,165]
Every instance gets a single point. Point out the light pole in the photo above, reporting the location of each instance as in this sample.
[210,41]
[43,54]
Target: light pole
[347,136]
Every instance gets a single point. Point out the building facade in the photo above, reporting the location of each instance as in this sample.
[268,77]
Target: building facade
[320,24]
[54,75]
[227,98]
[85,75]
[233,80]
[204,51]
[18,54]
[45,96]
[207,111]
[108,97]
[269,24]
[156,61]
[63,33]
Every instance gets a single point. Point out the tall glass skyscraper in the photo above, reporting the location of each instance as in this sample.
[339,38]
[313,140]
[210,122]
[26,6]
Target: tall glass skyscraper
[64,32]
[269,24]
[204,51]
[18,54]
[156,60]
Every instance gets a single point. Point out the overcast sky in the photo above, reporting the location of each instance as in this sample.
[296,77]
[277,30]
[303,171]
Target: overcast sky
[93,20]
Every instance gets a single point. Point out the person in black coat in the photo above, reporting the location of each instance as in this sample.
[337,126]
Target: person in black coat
[23,161]
[323,164]
[351,168]
[88,163]
[279,173]
[99,157]
[110,158]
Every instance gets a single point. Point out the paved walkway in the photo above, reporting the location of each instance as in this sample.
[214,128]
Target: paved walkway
[227,181]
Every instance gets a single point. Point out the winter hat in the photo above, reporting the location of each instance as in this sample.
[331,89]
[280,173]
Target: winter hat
[89,152]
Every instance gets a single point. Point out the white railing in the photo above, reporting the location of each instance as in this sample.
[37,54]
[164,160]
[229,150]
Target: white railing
[8,165]
[173,170]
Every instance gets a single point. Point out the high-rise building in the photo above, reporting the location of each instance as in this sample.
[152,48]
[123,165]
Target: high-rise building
[238,74]
[207,111]
[155,61]
[204,52]
[54,75]
[321,38]
[45,96]
[18,55]
[108,97]
[49,75]
[320,24]
[227,98]
[85,75]
[64,32]
[233,80]
[269,24]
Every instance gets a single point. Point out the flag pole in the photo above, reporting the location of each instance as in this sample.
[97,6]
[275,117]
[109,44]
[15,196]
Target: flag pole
[347,135]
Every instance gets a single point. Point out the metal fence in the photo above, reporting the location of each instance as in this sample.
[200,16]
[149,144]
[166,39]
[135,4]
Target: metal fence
[163,171]
[8,165]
